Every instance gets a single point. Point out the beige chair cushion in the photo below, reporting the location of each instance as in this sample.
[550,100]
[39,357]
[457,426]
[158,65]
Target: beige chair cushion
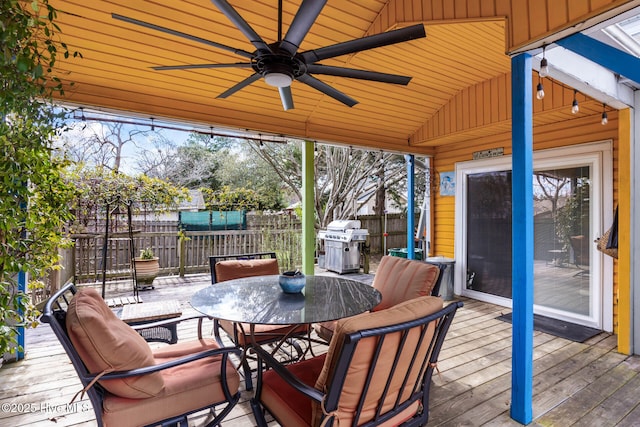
[105,342]
[188,387]
[397,279]
[400,279]
[285,402]
[234,269]
[297,410]
[356,374]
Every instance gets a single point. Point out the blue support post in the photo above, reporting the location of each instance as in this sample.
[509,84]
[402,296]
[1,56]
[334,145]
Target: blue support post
[522,239]
[410,159]
[22,286]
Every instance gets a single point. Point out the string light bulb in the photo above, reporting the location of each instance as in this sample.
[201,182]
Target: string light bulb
[574,106]
[544,65]
[605,118]
[540,91]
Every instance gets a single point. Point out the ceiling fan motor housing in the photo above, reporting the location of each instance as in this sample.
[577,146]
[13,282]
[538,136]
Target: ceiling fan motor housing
[277,67]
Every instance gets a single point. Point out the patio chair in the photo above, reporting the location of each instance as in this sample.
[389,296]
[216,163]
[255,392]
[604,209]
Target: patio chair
[397,279]
[253,268]
[127,382]
[230,267]
[377,371]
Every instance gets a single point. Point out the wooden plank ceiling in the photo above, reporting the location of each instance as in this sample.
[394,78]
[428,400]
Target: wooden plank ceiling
[115,72]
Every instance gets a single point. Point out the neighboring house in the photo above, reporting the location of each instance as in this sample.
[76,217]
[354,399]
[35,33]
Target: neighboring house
[195,204]
[366,204]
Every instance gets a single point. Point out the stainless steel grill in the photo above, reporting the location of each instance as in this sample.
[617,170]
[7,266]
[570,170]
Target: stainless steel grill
[341,245]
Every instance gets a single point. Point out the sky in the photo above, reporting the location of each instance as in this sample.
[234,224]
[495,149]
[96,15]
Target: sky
[81,130]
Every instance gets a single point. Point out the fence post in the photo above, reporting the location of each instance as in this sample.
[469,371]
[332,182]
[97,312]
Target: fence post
[366,251]
[182,254]
[383,234]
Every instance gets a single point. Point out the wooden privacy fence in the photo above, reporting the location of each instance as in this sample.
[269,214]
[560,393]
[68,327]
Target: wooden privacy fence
[187,252]
[190,253]
[396,229]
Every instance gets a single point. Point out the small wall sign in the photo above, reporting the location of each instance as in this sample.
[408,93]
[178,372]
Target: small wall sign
[485,154]
[447,184]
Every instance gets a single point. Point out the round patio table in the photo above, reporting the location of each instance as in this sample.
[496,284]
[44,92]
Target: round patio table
[260,300]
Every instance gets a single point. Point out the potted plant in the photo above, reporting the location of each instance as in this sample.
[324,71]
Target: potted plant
[147,268]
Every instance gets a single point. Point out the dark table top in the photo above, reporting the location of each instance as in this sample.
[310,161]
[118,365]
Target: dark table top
[260,300]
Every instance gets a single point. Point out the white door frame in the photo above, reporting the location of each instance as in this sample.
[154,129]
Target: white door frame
[599,156]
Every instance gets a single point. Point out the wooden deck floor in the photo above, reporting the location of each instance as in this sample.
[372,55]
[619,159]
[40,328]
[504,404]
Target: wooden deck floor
[586,384]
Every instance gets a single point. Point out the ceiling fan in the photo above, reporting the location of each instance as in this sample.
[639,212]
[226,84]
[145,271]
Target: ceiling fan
[280,63]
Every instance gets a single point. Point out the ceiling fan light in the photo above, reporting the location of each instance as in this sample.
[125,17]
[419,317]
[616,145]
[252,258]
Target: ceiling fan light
[278,79]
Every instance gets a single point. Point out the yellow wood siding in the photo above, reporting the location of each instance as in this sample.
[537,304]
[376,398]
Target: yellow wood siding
[570,132]
[485,108]
[528,20]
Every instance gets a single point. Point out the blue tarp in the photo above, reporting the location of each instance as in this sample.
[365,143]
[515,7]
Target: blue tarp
[213,220]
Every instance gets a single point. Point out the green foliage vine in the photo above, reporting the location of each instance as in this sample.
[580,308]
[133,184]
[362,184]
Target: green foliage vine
[34,198]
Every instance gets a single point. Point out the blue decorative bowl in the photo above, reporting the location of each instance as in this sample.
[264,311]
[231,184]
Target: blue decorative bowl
[291,283]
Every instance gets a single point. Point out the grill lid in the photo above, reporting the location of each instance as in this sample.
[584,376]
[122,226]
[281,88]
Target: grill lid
[344,225]
[345,230]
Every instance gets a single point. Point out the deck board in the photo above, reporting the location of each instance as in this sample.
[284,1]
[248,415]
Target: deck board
[574,383]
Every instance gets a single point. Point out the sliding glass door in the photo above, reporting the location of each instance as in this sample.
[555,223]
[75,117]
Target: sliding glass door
[489,233]
[568,279]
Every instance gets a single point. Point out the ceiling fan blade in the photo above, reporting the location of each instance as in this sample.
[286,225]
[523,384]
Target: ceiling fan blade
[242,25]
[198,66]
[328,90]
[358,74]
[370,42]
[242,84]
[286,97]
[183,35]
[301,24]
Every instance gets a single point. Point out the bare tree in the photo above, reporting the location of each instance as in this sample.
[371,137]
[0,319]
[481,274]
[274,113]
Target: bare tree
[156,162]
[345,178]
[552,188]
[102,144]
